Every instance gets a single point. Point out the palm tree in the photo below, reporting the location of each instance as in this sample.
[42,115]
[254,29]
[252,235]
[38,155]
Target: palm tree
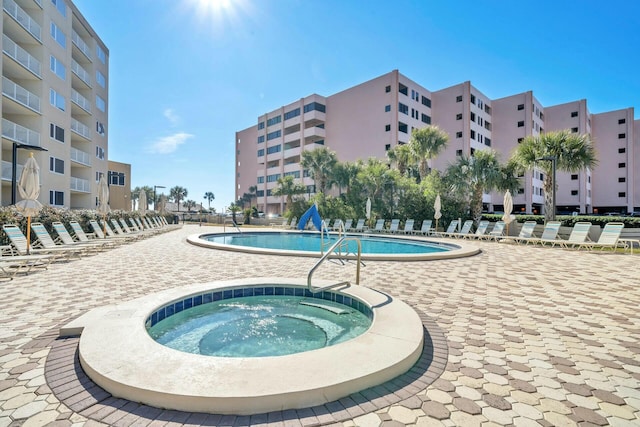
[320,163]
[253,193]
[177,194]
[402,155]
[426,143]
[288,187]
[572,152]
[471,177]
[234,208]
[209,197]
[135,194]
[189,204]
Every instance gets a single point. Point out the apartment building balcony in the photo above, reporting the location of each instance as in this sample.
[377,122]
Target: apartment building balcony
[81,74]
[295,136]
[7,168]
[314,118]
[17,133]
[80,101]
[20,56]
[292,167]
[314,133]
[80,45]
[292,152]
[81,129]
[27,102]
[21,19]
[80,157]
[274,156]
[80,185]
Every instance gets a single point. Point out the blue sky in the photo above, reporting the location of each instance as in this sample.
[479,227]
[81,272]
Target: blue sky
[185,75]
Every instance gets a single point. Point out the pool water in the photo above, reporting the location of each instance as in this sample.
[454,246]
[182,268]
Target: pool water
[260,326]
[311,242]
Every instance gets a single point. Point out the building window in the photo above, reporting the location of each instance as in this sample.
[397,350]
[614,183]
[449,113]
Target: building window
[403,89]
[274,135]
[402,127]
[458,134]
[487,142]
[622,135]
[273,178]
[574,176]
[387,89]
[261,180]
[116,178]
[473,150]
[574,114]
[622,150]
[291,114]
[574,130]
[473,116]
[58,35]
[56,99]
[260,139]
[274,120]
[459,153]
[62,8]
[261,152]
[387,147]
[520,107]
[56,165]
[56,198]
[521,123]
[487,125]
[459,98]
[426,101]
[622,121]
[102,56]
[403,108]
[459,116]
[574,192]
[100,128]
[622,179]
[426,119]
[274,149]
[487,109]
[314,106]
[473,134]
[473,99]
[622,194]
[387,128]
[520,140]
[260,125]
[101,79]
[100,153]
[520,190]
[101,104]
[622,165]
[56,132]
[387,108]
[295,174]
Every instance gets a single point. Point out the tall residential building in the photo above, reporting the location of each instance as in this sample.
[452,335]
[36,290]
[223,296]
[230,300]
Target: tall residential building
[371,118]
[55,85]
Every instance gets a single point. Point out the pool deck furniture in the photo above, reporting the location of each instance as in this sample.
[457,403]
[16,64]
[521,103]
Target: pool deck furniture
[65,238]
[19,245]
[465,230]
[359,228]
[45,241]
[426,228]
[609,238]
[480,232]
[347,224]
[453,226]
[497,232]
[408,227]
[294,223]
[526,232]
[579,235]
[81,236]
[549,235]
[393,226]
[379,227]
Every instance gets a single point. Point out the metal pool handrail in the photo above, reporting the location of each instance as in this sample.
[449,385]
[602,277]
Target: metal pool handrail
[326,255]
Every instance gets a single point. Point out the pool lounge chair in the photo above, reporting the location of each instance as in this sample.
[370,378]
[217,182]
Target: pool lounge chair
[46,242]
[453,226]
[579,235]
[19,245]
[66,239]
[526,232]
[359,228]
[123,232]
[100,235]
[549,235]
[379,227]
[608,238]
[337,225]
[497,232]
[347,224]
[464,231]
[408,227]
[81,236]
[425,228]
[393,227]
[480,232]
[294,223]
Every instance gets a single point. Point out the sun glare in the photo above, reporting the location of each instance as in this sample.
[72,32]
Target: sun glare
[218,16]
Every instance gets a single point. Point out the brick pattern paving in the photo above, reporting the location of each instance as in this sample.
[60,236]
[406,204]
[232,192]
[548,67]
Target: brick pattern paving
[536,336]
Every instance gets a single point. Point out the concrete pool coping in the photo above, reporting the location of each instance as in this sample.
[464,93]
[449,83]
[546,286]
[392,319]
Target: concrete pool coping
[118,354]
[458,249]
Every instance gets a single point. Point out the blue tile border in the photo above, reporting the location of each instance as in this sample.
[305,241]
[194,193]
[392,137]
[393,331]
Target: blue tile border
[191,301]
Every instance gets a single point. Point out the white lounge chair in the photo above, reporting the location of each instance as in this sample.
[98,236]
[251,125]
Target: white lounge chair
[393,227]
[497,232]
[526,232]
[359,228]
[481,231]
[425,228]
[379,227]
[453,226]
[408,227]
[549,235]
[608,238]
[464,231]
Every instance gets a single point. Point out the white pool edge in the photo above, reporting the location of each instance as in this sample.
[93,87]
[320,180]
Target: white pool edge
[118,354]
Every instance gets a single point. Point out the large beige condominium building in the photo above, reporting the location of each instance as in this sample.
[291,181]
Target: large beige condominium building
[369,119]
[55,81]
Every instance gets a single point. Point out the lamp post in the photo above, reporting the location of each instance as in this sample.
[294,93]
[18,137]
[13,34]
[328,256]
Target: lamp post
[14,165]
[155,198]
[553,160]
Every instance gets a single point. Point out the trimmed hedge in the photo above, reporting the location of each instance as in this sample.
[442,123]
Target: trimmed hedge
[569,220]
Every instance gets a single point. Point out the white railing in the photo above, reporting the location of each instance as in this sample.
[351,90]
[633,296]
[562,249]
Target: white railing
[20,55]
[15,132]
[79,184]
[80,72]
[23,18]
[80,44]
[20,95]
[80,128]
[80,100]
[80,156]
[39,2]
[7,167]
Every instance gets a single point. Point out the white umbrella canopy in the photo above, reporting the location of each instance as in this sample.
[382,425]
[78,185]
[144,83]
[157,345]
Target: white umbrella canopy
[437,206]
[103,196]
[507,202]
[29,189]
[367,210]
[142,202]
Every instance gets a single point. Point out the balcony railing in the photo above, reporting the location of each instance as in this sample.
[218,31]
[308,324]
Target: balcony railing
[39,2]
[80,101]
[80,128]
[79,156]
[17,133]
[79,184]
[7,167]
[20,55]
[20,95]
[22,18]
[80,72]
[80,44]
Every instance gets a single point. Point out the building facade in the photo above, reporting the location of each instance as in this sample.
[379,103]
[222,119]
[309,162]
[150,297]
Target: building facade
[55,86]
[371,118]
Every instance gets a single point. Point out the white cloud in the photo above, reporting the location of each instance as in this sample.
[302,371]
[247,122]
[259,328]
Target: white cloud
[169,144]
[171,115]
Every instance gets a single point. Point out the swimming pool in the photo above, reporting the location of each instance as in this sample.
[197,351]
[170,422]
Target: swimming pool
[374,247]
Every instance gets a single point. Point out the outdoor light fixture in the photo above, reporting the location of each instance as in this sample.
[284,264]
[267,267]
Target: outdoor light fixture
[14,165]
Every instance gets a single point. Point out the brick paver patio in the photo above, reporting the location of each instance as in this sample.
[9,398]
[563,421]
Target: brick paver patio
[535,336]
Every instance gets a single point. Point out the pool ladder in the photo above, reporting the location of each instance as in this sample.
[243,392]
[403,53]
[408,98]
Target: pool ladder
[336,246]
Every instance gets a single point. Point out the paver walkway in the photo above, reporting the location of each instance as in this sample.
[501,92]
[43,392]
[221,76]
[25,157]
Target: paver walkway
[536,336]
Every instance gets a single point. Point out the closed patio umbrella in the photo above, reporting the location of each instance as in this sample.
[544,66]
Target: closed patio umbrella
[367,210]
[508,208]
[29,189]
[437,206]
[103,201]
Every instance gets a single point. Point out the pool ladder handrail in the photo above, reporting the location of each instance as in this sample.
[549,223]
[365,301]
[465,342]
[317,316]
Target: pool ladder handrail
[323,228]
[235,224]
[326,255]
